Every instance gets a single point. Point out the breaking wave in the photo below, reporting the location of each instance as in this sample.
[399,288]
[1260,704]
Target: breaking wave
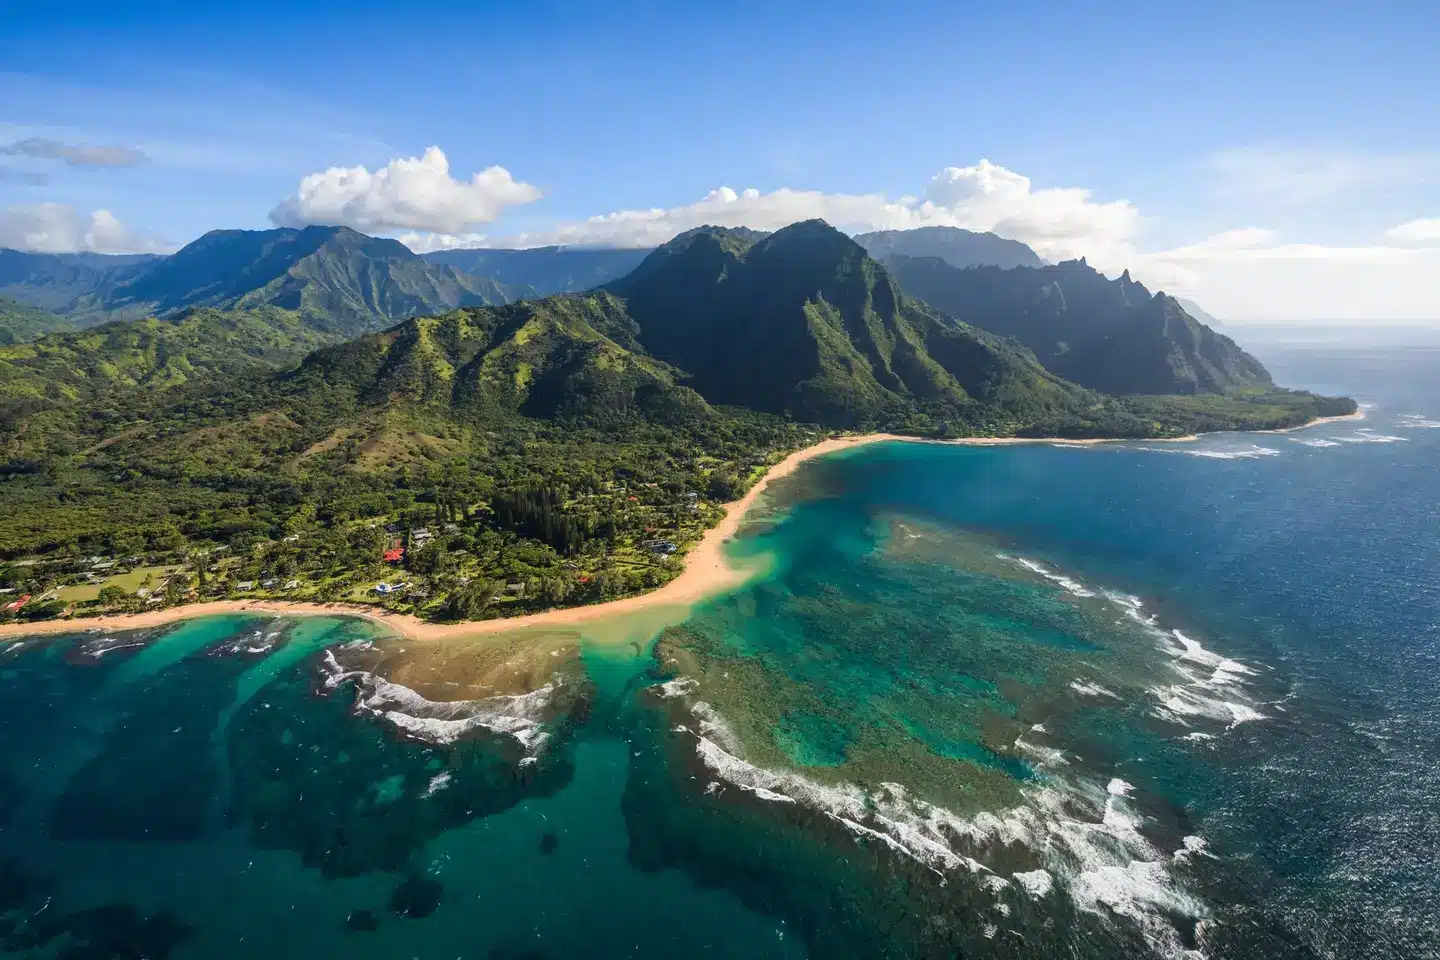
[1075,835]
[519,717]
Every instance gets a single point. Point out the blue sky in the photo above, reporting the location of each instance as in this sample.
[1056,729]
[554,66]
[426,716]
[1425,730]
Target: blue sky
[1279,163]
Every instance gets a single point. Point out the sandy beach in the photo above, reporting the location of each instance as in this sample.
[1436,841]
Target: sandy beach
[706,572]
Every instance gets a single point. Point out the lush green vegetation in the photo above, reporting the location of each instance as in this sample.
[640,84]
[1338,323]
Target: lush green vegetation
[1110,335]
[341,281]
[496,459]
[21,323]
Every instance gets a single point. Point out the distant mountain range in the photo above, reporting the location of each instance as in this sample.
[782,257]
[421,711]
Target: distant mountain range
[804,322]
[542,271]
[1110,335]
[959,248]
[342,281]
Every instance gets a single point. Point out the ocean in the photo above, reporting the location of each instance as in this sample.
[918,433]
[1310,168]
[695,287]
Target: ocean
[1177,700]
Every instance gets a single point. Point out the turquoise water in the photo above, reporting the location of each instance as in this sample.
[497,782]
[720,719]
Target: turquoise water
[1031,702]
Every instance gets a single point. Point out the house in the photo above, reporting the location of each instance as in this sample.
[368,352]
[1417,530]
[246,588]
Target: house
[394,555]
[268,585]
[659,546]
[516,588]
[244,585]
[103,565]
[291,585]
[291,539]
[14,605]
[386,589]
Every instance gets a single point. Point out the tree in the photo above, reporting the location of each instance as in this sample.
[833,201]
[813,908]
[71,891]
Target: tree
[112,596]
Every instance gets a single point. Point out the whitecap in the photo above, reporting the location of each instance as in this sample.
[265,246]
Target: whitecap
[1084,838]
[1070,585]
[441,722]
[1037,883]
[1087,688]
[1244,453]
[437,783]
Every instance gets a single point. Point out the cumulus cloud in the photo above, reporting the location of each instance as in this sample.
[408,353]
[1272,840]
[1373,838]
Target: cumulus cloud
[1059,222]
[59,228]
[417,193]
[1415,232]
[76,154]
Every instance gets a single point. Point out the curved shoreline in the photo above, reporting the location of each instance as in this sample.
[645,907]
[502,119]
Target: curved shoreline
[706,572]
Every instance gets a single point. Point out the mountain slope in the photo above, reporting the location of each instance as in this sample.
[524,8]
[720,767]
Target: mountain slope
[59,282]
[803,321]
[92,364]
[564,356]
[1109,335]
[341,280]
[20,322]
[959,248]
[542,271]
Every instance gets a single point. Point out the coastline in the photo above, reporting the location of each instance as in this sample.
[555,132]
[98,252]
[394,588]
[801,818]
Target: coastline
[706,571]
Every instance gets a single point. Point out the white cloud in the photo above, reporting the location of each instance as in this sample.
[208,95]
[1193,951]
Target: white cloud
[1059,222]
[417,193]
[1298,176]
[1415,232]
[58,228]
[1250,274]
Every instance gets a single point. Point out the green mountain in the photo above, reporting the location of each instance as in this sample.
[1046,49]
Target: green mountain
[93,365]
[568,356]
[339,280]
[804,322]
[58,282]
[543,271]
[1109,335]
[566,444]
[20,322]
[1200,313]
[959,248]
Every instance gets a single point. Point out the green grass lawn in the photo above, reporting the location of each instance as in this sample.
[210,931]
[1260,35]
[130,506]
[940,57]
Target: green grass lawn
[129,582]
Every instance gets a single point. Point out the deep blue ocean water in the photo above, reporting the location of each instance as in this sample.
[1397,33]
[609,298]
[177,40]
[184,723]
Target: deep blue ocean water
[1016,702]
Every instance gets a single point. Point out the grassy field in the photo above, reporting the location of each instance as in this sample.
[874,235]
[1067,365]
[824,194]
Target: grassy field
[129,582]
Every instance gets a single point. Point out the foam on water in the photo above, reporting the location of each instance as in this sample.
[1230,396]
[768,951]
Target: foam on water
[1366,435]
[1417,421]
[1084,837]
[1247,453]
[1071,586]
[439,722]
[1087,688]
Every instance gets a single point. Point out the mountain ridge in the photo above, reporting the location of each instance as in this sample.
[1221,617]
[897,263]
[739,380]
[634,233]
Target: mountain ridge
[1111,335]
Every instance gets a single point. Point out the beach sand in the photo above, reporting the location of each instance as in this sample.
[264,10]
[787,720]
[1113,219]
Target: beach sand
[707,572]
